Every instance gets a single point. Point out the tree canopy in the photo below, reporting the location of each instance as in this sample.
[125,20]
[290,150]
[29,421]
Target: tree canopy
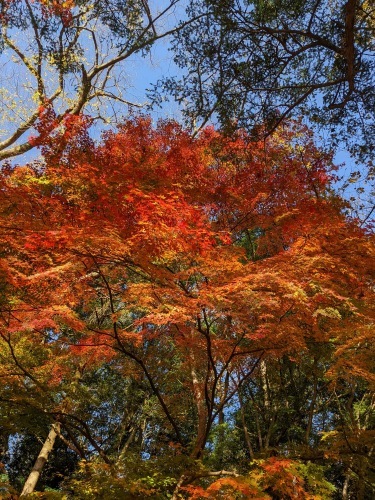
[68,57]
[191,304]
[256,63]
[186,310]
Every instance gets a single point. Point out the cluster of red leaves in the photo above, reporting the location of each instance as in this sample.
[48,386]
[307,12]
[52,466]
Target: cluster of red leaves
[271,478]
[55,132]
[49,8]
[58,8]
[163,225]
[225,488]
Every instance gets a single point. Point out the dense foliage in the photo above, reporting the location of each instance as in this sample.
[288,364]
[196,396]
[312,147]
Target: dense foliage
[193,315]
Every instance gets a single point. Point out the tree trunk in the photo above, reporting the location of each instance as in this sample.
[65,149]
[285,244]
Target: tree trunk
[345,489]
[313,402]
[202,413]
[176,495]
[244,426]
[47,447]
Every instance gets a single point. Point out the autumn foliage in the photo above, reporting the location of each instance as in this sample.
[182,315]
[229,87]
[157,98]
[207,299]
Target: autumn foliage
[197,265]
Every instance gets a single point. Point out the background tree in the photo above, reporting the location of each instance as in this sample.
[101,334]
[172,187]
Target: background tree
[62,462]
[61,58]
[256,63]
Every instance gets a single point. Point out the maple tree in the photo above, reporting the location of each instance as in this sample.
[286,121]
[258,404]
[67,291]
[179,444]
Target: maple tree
[206,275]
